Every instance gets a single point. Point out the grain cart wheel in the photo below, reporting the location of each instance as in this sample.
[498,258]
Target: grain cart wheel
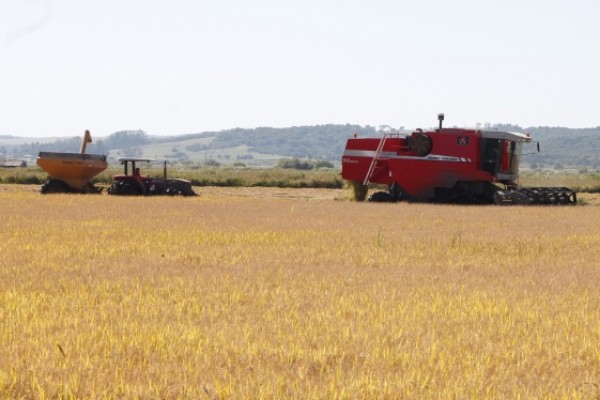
[54,186]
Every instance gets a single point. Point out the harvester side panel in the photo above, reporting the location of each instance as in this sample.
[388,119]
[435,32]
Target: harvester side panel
[453,158]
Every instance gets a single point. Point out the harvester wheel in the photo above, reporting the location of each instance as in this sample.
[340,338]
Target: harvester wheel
[381,197]
[54,186]
[359,191]
[396,192]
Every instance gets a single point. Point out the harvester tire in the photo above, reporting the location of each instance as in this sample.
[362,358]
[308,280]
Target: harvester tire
[359,191]
[381,197]
[54,186]
[396,192]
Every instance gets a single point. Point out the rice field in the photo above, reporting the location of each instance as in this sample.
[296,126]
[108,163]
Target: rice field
[249,293]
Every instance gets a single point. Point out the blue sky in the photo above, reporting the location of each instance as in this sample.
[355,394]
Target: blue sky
[184,66]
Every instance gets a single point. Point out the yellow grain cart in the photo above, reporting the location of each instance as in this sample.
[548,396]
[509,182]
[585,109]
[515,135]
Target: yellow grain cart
[71,172]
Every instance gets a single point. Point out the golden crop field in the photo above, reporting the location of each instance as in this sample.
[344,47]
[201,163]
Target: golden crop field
[275,294]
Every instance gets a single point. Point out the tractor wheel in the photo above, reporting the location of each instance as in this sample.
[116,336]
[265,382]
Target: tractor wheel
[113,189]
[54,186]
[125,188]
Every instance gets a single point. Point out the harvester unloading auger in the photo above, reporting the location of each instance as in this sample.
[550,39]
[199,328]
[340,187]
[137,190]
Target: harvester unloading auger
[446,165]
[72,173]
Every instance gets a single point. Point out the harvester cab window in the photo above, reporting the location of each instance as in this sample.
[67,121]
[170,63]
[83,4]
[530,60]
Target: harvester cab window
[514,154]
[511,156]
[491,153]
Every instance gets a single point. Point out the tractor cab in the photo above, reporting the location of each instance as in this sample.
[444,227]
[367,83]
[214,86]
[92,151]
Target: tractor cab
[129,166]
[131,181]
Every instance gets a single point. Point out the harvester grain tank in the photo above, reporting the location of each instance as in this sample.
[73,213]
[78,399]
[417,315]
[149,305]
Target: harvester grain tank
[71,172]
[447,165]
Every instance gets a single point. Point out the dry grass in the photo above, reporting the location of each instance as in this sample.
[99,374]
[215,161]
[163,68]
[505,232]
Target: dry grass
[289,294]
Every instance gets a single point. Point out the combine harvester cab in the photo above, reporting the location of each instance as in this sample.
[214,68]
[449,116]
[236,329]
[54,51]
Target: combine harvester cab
[446,165]
[71,172]
[132,183]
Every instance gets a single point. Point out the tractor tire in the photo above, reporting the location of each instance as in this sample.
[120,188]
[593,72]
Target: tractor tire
[125,188]
[113,189]
[53,186]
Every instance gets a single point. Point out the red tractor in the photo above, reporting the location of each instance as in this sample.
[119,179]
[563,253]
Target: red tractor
[446,165]
[131,182]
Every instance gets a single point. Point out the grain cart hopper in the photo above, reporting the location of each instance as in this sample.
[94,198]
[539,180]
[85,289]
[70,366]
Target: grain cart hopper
[446,165]
[71,172]
[132,183]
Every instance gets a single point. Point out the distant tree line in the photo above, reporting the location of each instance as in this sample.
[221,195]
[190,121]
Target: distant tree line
[563,147]
[295,163]
[123,140]
[318,142]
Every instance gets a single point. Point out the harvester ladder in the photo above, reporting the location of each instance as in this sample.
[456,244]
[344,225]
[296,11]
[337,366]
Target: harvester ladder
[374,160]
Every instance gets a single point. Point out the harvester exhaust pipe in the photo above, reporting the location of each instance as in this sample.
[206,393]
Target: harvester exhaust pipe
[440,118]
[87,138]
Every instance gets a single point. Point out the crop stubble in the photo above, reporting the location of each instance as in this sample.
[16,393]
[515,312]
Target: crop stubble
[290,294]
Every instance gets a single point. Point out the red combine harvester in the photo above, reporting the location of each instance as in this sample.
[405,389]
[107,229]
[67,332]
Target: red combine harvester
[446,165]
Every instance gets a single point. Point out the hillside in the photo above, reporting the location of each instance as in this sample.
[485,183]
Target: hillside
[560,147]
[568,147]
